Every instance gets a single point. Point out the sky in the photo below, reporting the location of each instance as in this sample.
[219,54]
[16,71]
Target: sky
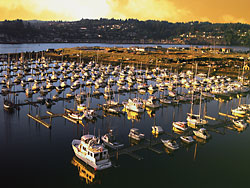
[216,11]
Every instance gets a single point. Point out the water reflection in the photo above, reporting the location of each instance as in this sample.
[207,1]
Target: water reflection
[133,142]
[239,129]
[86,173]
[150,112]
[200,140]
[170,152]
[131,115]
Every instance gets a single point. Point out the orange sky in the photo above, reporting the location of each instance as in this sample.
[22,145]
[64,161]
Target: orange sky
[169,10]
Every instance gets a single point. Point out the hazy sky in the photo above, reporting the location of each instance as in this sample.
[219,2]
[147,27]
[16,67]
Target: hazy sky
[169,10]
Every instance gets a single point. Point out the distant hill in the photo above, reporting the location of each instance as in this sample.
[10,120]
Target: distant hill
[124,31]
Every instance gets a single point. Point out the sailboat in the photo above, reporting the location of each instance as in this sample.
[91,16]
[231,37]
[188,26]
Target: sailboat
[195,119]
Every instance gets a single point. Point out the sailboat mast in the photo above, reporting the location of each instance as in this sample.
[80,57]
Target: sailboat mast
[200,104]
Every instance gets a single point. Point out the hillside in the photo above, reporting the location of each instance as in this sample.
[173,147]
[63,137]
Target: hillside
[124,31]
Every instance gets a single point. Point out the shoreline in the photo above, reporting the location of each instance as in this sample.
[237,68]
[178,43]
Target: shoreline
[133,43]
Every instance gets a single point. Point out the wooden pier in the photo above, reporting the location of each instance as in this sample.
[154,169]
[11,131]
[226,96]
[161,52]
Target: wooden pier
[228,115]
[39,120]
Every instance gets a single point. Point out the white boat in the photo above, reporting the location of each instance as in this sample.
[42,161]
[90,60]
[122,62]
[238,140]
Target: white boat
[151,102]
[151,88]
[134,105]
[245,106]
[134,133]
[40,99]
[187,139]
[8,105]
[240,123]
[201,133]
[75,115]
[89,150]
[239,111]
[165,101]
[63,84]
[181,125]
[157,130]
[88,83]
[195,119]
[88,114]
[110,141]
[49,85]
[171,94]
[54,77]
[171,144]
[81,107]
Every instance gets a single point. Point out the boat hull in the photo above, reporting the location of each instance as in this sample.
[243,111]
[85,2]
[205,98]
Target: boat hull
[140,110]
[101,166]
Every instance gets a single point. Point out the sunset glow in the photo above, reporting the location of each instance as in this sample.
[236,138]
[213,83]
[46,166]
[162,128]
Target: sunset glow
[169,10]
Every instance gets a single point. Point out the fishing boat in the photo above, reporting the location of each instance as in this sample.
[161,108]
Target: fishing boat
[181,125]
[135,134]
[201,133]
[240,123]
[134,105]
[187,139]
[110,141]
[171,144]
[89,150]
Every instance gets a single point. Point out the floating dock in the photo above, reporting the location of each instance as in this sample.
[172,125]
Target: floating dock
[39,120]
[228,115]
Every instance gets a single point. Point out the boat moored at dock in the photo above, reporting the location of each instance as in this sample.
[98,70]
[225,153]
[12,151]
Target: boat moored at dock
[89,150]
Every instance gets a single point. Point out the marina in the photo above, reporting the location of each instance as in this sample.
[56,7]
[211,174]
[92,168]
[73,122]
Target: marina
[56,103]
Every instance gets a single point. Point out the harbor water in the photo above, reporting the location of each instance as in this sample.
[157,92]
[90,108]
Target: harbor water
[35,156]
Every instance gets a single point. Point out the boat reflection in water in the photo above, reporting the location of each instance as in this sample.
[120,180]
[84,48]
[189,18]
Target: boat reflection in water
[133,142]
[177,131]
[170,152]
[131,115]
[86,172]
[200,140]
[239,129]
[150,112]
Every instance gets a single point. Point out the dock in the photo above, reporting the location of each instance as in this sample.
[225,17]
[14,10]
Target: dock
[145,144]
[228,115]
[39,120]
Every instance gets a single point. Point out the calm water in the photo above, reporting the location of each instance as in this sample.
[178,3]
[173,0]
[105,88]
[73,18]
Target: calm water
[34,156]
[15,48]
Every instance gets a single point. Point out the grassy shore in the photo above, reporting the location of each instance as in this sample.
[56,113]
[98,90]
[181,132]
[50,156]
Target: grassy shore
[175,59]
[209,60]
